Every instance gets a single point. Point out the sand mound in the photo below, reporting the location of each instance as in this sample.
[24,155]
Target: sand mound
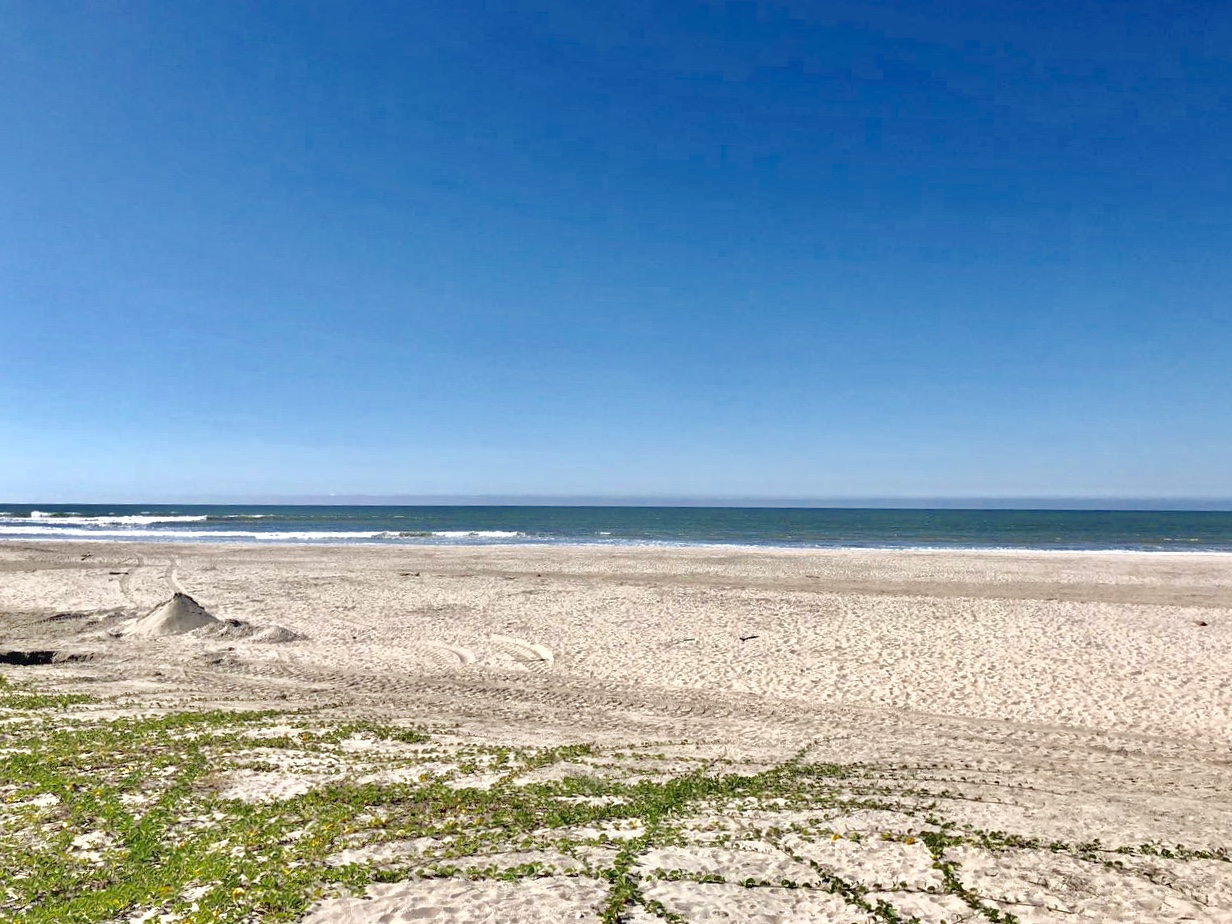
[238,629]
[227,629]
[176,616]
[277,635]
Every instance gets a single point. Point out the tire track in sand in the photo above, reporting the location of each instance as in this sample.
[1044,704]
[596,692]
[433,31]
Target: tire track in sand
[441,655]
[171,576]
[530,654]
[126,582]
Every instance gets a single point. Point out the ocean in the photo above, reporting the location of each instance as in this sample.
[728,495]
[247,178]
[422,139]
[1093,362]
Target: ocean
[1126,530]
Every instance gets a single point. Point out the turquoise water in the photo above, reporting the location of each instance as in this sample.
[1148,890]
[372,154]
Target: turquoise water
[798,527]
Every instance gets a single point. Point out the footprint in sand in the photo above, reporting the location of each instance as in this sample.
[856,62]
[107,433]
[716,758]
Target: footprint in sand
[524,653]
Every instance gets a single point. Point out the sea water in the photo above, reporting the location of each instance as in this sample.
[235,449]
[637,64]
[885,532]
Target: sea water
[1127,530]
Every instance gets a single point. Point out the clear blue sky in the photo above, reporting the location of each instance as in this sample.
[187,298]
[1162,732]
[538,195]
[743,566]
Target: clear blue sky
[794,249]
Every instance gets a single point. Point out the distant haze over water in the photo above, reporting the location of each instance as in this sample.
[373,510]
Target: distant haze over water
[1059,502]
[782,526]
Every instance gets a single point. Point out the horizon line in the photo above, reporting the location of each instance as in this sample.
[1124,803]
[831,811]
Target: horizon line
[1004,502]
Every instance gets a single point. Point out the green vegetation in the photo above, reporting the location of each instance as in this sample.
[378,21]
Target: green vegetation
[103,818]
[13,699]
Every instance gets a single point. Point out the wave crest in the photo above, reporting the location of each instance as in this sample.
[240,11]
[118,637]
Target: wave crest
[70,519]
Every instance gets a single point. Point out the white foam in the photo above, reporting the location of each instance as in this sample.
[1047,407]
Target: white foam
[98,533]
[94,528]
[130,533]
[308,535]
[30,530]
[475,534]
[287,535]
[77,520]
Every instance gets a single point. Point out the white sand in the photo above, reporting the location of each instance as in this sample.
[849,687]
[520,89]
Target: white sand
[175,616]
[1073,696]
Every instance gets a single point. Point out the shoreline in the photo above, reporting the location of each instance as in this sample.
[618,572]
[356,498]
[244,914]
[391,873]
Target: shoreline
[250,542]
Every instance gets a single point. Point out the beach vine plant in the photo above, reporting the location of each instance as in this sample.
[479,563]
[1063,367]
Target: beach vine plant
[108,815]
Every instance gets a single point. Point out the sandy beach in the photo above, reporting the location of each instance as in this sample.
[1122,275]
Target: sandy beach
[1065,714]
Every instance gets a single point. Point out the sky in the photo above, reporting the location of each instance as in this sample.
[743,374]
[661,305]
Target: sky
[673,249]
